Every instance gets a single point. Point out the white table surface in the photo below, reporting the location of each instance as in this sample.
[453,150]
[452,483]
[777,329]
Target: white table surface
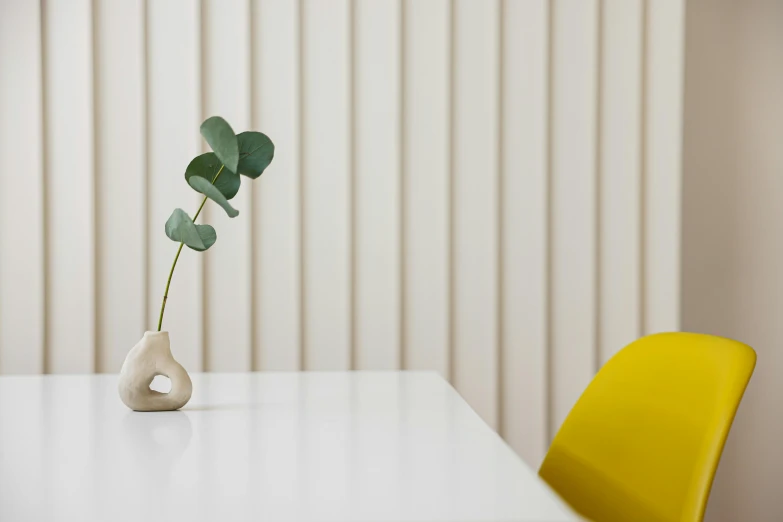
[363,446]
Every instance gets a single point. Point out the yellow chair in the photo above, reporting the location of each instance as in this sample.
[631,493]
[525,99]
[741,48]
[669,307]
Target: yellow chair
[644,440]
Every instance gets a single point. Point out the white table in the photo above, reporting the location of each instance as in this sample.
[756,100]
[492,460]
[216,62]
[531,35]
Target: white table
[364,446]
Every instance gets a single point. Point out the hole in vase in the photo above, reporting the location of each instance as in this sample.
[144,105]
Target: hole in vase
[161,384]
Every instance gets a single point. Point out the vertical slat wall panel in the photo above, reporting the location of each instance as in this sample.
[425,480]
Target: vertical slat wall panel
[326,177]
[426,184]
[525,99]
[377,53]
[69,178]
[573,212]
[276,225]
[662,169]
[475,199]
[226,89]
[21,190]
[487,189]
[120,166]
[620,175]
[174,116]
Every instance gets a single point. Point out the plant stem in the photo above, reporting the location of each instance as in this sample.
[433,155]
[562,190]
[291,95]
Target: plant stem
[176,258]
[168,283]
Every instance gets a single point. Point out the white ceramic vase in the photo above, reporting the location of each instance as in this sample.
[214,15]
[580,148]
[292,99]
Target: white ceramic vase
[150,357]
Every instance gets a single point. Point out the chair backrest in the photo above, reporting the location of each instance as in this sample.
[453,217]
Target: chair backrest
[643,442]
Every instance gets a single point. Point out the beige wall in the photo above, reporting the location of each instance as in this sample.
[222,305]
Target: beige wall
[733,229]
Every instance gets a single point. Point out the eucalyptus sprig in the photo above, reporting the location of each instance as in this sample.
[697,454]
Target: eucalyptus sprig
[216,175]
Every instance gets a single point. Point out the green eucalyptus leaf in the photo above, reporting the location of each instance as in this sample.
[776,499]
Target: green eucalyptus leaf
[222,140]
[256,151]
[180,228]
[207,234]
[207,166]
[209,190]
